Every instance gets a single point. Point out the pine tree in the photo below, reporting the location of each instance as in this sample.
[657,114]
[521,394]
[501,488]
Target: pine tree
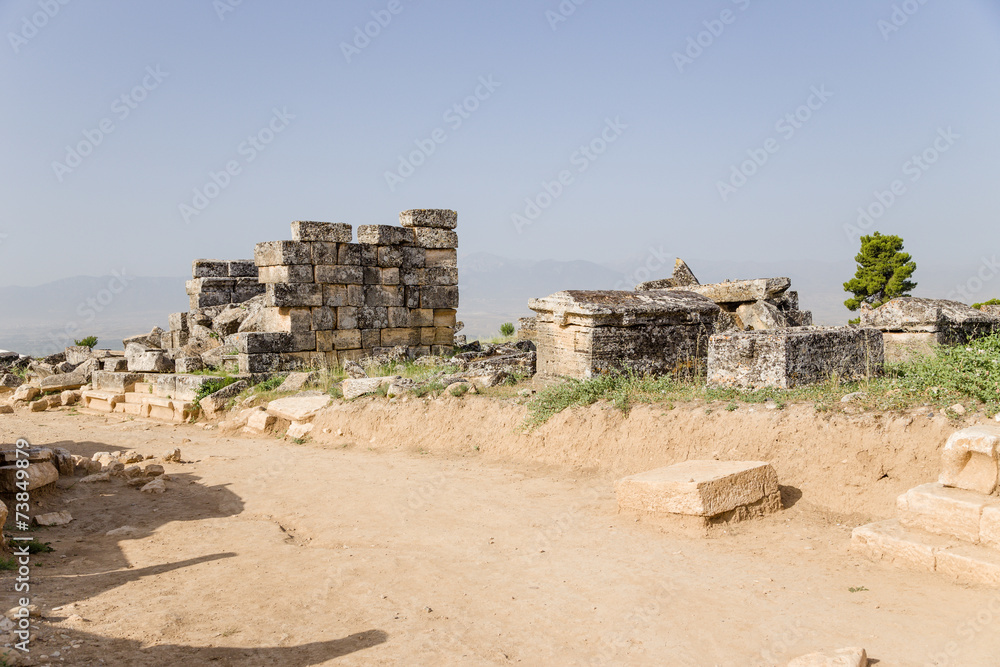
[883,273]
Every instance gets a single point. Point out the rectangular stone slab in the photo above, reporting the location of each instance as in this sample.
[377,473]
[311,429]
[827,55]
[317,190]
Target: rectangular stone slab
[944,511]
[739,291]
[699,488]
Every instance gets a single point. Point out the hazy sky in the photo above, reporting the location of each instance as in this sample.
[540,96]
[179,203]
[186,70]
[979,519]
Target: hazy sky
[733,129]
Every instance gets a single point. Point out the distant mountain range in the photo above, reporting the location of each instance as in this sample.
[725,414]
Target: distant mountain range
[45,318]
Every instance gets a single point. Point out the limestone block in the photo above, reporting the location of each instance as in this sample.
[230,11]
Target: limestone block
[26,393]
[439,297]
[308,230]
[323,318]
[303,341]
[989,527]
[77,354]
[336,295]
[390,256]
[385,235]
[52,519]
[952,322]
[890,542]
[421,317]
[970,459]
[209,299]
[446,258]
[371,338]
[348,254]
[699,488]
[347,317]
[427,237]
[369,255]
[297,381]
[402,336]
[299,430]
[346,339]
[944,511]
[38,475]
[63,382]
[429,217]
[761,316]
[445,317]
[278,253]
[413,257]
[383,296]
[325,253]
[116,382]
[265,342]
[399,318]
[352,388]
[242,268]
[844,657]
[209,268]
[969,564]
[298,408]
[793,357]
[336,274]
[261,363]
[373,317]
[146,360]
[290,273]
[293,295]
[208,285]
[115,364]
[442,276]
[188,364]
[736,291]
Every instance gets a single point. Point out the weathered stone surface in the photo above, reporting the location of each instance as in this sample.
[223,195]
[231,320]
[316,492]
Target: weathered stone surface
[585,333]
[146,360]
[952,322]
[260,420]
[793,357]
[843,657]
[298,408]
[385,235]
[335,232]
[428,237]
[39,474]
[52,519]
[699,488]
[77,354]
[352,388]
[217,401]
[241,268]
[289,273]
[26,393]
[209,268]
[278,253]
[971,459]
[69,397]
[299,430]
[293,295]
[336,274]
[683,276]
[944,511]
[116,382]
[157,486]
[63,382]
[429,217]
[761,316]
[737,291]
[188,364]
[265,343]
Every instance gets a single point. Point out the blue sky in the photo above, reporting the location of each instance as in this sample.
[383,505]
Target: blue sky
[662,137]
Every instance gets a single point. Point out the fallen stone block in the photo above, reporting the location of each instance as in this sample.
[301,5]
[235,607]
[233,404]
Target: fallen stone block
[761,316]
[26,393]
[52,519]
[892,543]
[95,478]
[297,381]
[217,401]
[41,405]
[844,657]
[971,459]
[154,487]
[189,365]
[63,382]
[299,430]
[38,475]
[353,388]
[708,491]
[793,357]
[736,291]
[147,360]
[298,408]
[260,421]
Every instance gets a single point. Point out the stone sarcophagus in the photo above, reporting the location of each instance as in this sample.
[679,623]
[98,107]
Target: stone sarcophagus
[581,333]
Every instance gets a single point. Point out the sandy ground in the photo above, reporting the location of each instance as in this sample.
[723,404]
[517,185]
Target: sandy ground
[435,532]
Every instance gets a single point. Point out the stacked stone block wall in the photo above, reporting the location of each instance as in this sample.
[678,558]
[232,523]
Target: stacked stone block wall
[329,299]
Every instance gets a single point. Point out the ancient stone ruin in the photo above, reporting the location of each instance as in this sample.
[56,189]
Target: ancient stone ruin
[743,333]
[585,333]
[913,326]
[951,526]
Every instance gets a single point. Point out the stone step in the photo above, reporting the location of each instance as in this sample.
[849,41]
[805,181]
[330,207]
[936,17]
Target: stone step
[102,401]
[891,542]
[965,515]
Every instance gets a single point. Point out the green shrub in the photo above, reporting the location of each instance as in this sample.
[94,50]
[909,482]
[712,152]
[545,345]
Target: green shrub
[211,387]
[89,341]
[991,302]
[507,329]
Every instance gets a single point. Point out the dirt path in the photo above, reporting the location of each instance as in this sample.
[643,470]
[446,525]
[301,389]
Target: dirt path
[353,552]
